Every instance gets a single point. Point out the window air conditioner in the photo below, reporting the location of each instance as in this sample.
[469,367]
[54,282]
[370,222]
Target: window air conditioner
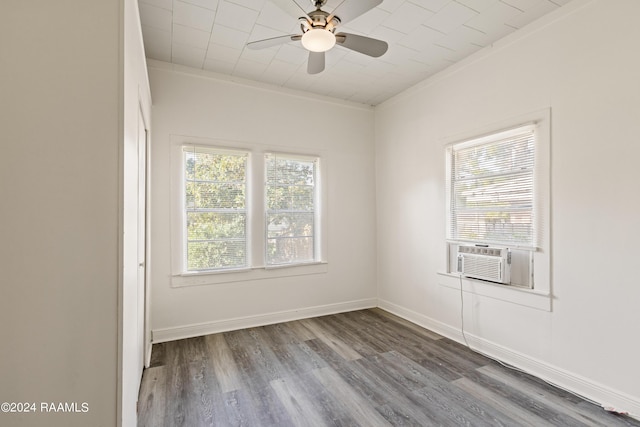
[484,262]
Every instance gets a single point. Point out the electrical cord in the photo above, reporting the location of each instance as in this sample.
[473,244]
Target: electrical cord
[462,315]
[513,368]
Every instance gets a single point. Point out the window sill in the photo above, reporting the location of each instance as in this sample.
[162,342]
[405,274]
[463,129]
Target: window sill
[512,294]
[248,274]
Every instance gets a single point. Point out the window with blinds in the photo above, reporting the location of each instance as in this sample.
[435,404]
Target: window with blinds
[290,209]
[490,189]
[215,226]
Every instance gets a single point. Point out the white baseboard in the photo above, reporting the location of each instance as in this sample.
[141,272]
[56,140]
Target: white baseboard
[196,330]
[606,396]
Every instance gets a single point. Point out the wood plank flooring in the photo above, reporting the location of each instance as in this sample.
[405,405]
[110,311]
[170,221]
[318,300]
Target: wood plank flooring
[363,368]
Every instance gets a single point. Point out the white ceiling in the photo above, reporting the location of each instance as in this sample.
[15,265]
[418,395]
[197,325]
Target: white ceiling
[424,36]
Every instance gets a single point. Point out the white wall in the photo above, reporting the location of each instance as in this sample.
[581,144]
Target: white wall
[59,115]
[582,62]
[205,107]
[65,308]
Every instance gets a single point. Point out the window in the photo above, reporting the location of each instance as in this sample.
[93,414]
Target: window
[498,180]
[215,209]
[290,209]
[246,211]
[490,189]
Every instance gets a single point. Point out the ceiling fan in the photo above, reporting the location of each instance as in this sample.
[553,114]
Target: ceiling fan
[319,31]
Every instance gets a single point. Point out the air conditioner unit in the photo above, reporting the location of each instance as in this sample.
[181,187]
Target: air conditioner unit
[484,262]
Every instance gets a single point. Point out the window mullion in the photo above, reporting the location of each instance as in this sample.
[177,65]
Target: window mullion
[255,211]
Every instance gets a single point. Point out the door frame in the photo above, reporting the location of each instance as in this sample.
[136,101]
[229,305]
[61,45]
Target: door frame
[145,302]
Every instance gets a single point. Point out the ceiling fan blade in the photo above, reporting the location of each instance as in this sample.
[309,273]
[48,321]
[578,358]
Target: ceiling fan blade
[362,44]
[316,62]
[292,7]
[351,9]
[274,41]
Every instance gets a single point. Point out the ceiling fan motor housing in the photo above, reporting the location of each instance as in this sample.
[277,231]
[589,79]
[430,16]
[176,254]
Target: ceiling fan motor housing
[319,19]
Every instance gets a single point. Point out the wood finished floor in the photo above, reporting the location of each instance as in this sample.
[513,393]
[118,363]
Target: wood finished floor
[363,368]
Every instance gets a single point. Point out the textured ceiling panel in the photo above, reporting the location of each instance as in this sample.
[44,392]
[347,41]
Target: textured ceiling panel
[424,37]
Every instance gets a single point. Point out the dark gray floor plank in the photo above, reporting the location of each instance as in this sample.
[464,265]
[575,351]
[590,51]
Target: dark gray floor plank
[232,409]
[541,394]
[363,368]
[294,354]
[300,331]
[263,356]
[187,403]
[501,403]
[367,342]
[152,406]
[402,323]
[525,378]
[220,359]
[298,359]
[356,406]
[452,350]
[524,401]
[157,355]
[253,407]
[424,382]
[391,399]
[306,402]
[345,350]
[604,417]
[281,334]
[418,347]
[256,362]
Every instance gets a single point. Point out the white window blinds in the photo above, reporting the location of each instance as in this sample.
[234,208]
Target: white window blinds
[215,208]
[290,209]
[490,189]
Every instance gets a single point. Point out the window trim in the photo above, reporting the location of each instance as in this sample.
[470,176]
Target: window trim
[184,211]
[540,295]
[497,135]
[256,268]
[316,204]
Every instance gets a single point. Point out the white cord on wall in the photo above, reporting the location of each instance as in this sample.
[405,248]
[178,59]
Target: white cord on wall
[462,314]
[506,365]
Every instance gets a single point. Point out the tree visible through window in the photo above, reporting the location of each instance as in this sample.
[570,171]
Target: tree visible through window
[491,189]
[215,209]
[291,205]
[222,230]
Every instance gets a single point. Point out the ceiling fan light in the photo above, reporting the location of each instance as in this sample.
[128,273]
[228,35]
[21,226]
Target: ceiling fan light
[318,40]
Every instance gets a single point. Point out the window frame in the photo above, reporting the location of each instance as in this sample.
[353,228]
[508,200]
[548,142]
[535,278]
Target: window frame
[539,294]
[316,219]
[478,141]
[256,268]
[186,211]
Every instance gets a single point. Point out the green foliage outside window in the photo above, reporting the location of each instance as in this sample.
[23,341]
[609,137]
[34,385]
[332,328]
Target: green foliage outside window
[215,203]
[290,210]
[216,218]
